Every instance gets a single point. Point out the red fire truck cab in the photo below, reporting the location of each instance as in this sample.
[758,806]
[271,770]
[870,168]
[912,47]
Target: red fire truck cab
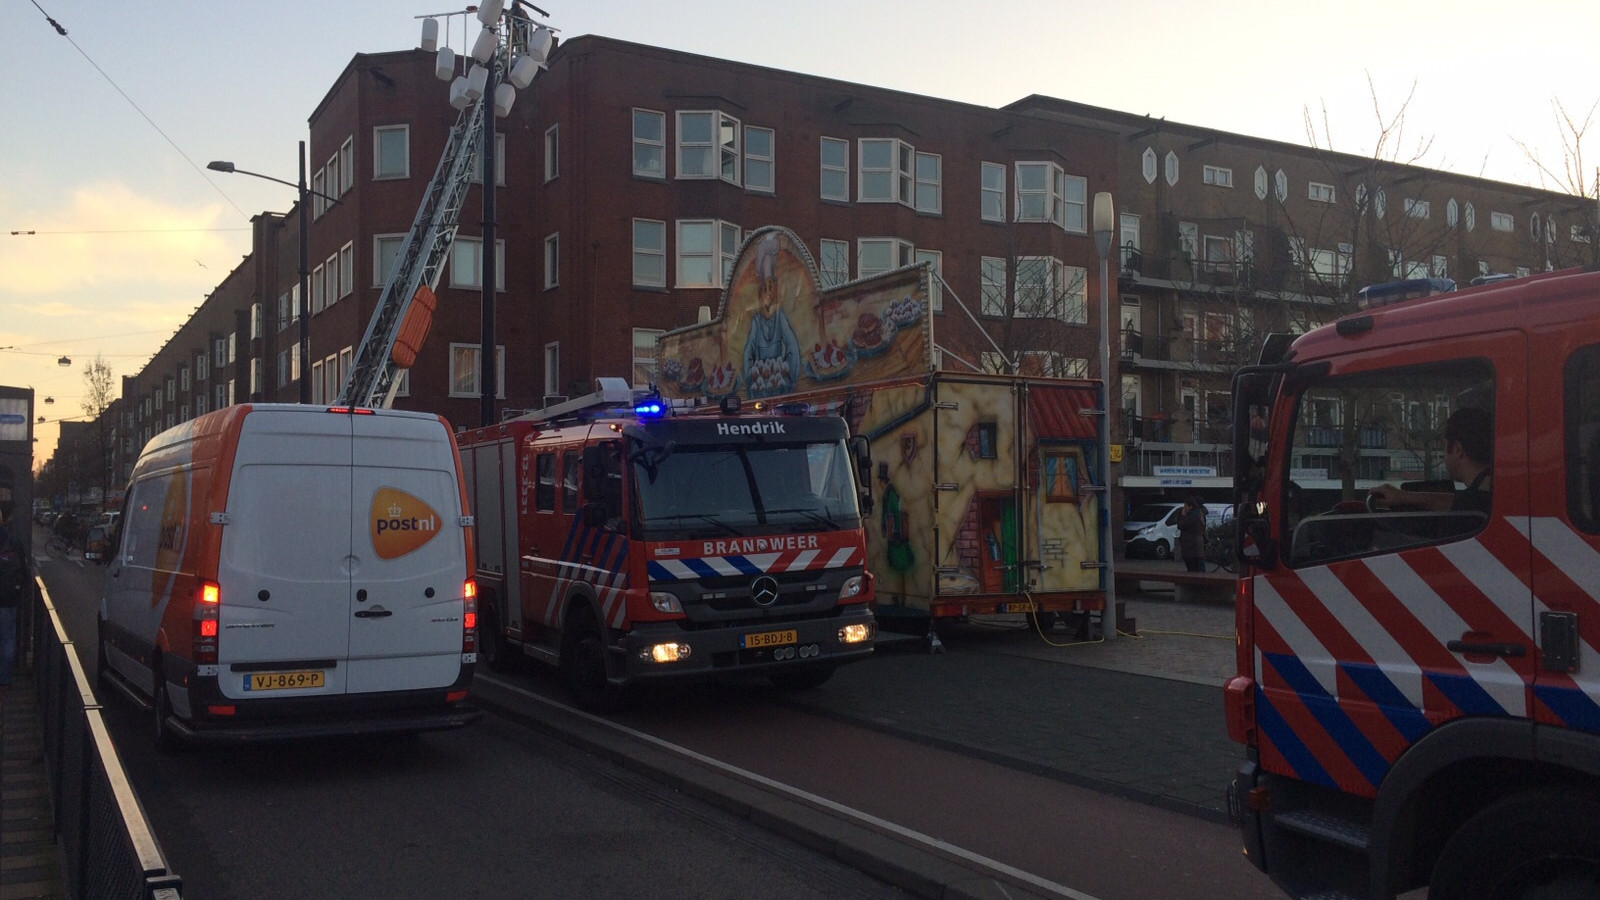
[626,543]
[1418,685]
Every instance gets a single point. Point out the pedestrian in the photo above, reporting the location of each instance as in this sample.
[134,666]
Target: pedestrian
[1192,535]
[14,583]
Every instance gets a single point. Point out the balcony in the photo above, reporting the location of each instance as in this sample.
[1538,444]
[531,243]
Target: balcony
[1179,351]
[1367,437]
[1175,428]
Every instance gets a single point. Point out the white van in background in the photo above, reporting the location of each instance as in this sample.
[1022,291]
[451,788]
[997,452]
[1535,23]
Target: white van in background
[288,570]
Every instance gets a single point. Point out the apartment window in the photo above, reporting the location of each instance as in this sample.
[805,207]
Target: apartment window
[257,327]
[1322,193]
[994,192]
[1047,288]
[1440,267]
[1219,252]
[1470,216]
[316,385]
[347,165]
[285,315]
[552,152]
[283,367]
[347,359]
[183,378]
[1189,239]
[935,286]
[319,294]
[331,272]
[255,375]
[1128,239]
[1416,209]
[705,252]
[758,160]
[1579,234]
[347,269]
[402,384]
[875,256]
[319,187]
[649,143]
[644,356]
[200,404]
[466,263]
[992,279]
[1500,221]
[928,191]
[464,361]
[391,151]
[294,361]
[1045,193]
[1217,175]
[331,382]
[552,261]
[552,369]
[649,253]
[835,156]
[333,176]
[202,366]
[708,145]
[499,162]
[835,262]
[886,171]
[385,256]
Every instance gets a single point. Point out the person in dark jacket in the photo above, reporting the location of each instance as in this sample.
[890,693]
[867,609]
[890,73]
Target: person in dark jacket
[1192,535]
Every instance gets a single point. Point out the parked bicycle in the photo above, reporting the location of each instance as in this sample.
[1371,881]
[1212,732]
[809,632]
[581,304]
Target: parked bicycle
[1219,553]
[57,546]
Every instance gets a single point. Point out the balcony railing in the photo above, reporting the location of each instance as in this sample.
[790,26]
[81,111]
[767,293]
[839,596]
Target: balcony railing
[1367,437]
[1177,428]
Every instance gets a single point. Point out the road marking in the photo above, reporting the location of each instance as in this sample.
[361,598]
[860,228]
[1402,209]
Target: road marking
[865,819]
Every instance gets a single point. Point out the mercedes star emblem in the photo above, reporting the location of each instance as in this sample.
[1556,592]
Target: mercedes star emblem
[764,590]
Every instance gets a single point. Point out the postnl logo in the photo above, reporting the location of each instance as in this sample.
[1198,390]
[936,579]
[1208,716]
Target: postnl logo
[400,523]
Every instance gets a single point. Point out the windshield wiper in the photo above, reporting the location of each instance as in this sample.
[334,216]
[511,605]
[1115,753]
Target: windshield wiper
[820,518]
[701,516]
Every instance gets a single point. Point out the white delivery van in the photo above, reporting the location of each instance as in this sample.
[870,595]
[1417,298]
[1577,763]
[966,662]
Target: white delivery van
[287,571]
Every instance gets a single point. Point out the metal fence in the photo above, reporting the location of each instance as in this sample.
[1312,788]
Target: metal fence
[107,846]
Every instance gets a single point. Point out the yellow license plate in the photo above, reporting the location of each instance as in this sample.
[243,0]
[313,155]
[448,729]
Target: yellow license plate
[282,681]
[1020,606]
[769,639]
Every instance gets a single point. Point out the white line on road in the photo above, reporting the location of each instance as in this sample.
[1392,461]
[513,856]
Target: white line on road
[810,799]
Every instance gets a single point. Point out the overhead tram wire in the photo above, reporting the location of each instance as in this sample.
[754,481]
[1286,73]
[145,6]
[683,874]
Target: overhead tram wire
[63,32]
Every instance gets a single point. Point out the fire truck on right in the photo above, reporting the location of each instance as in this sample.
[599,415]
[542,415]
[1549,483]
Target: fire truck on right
[1418,621]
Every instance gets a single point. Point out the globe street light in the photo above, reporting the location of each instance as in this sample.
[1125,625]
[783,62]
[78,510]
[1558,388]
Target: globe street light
[221,165]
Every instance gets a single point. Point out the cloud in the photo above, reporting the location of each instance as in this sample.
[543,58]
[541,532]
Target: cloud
[110,238]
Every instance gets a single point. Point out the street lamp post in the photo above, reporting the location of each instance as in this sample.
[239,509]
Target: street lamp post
[219,165]
[1104,219]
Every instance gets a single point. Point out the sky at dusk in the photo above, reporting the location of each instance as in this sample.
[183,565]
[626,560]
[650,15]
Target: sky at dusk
[105,132]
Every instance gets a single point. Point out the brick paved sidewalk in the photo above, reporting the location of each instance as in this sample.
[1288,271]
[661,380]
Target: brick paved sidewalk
[29,864]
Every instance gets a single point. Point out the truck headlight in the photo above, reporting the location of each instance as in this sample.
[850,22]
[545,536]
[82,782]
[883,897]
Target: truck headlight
[672,651]
[858,633]
[665,602]
[853,587]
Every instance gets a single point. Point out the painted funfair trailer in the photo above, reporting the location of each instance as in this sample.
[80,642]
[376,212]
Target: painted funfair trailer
[988,495]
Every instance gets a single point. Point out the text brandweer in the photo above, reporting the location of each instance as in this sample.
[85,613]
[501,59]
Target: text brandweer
[752,428]
[761,545]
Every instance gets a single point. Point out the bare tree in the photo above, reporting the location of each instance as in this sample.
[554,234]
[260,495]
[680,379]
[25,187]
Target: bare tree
[99,394]
[1573,175]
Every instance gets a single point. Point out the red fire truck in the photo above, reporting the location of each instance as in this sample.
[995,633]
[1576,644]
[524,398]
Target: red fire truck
[1418,683]
[625,543]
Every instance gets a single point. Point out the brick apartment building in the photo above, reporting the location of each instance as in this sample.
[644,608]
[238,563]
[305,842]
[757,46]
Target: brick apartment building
[628,175]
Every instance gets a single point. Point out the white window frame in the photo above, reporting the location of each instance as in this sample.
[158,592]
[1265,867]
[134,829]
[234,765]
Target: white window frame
[257,328]
[840,173]
[552,261]
[552,369]
[1219,176]
[830,255]
[319,289]
[256,375]
[646,148]
[470,250]
[1043,199]
[380,134]
[460,353]
[330,271]
[1499,221]
[719,255]
[384,260]
[927,189]
[935,284]
[760,170]
[202,365]
[901,253]
[992,192]
[552,153]
[1321,193]
[645,364]
[1578,234]
[319,188]
[1189,240]
[1417,209]
[347,165]
[653,252]
[897,178]
[499,162]
[992,286]
[721,149]
[347,269]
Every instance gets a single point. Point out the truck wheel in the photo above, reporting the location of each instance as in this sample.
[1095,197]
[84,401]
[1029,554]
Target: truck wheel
[1539,845]
[493,648]
[166,740]
[583,665]
[801,679]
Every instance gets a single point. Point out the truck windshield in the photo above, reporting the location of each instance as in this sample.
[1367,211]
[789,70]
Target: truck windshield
[746,488]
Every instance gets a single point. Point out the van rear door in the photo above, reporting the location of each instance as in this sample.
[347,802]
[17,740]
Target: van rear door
[285,556]
[408,560]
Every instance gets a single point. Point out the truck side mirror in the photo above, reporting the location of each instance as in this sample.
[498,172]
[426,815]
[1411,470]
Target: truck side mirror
[861,449]
[1258,547]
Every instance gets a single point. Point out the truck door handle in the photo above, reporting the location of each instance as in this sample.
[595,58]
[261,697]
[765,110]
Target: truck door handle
[377,612]
[1492,649]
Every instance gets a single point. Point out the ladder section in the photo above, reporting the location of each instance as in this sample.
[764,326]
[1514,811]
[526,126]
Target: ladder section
[373,373]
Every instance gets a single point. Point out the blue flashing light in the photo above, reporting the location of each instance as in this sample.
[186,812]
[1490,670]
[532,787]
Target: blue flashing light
[650,409]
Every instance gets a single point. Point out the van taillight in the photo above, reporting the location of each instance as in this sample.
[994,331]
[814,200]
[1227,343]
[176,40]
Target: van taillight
[469,616]
[351,410]
[204,642]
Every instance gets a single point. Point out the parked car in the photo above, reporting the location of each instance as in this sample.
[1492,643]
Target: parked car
[1151,531]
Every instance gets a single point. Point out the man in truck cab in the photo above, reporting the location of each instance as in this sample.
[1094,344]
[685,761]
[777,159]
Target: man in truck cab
[1468,459]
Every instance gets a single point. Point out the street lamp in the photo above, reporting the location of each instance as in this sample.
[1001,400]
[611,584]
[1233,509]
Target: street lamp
[1104,219]
[221,165]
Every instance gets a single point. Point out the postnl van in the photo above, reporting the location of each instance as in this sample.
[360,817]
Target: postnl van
[288,571]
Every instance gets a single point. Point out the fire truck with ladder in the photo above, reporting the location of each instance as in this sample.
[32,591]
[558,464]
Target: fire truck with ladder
[625,541]
[1418,685]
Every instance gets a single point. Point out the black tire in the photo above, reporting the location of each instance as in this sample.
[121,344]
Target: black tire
[801,679]
[493,648]
[1161,550]
[167,740]
[1539,845]
[583,665]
